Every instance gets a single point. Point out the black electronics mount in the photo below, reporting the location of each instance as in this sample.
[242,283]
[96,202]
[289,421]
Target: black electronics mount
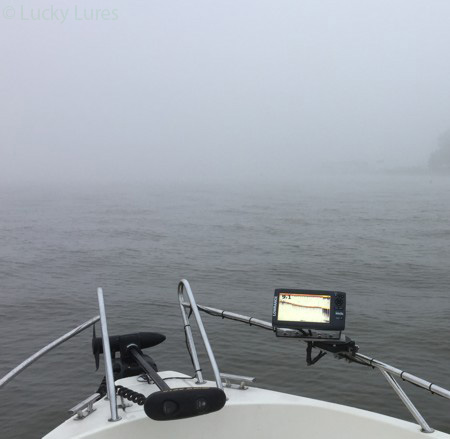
[333,342]
[344,347]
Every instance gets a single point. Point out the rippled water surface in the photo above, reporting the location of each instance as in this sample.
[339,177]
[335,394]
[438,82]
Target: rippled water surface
[386,242]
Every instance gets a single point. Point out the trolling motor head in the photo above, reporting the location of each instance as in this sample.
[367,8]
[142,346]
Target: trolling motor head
[126,365]
[120,343]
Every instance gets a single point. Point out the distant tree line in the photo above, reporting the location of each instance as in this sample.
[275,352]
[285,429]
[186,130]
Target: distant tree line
[440,159]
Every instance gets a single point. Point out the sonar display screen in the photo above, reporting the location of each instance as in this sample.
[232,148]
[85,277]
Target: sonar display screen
[304,308]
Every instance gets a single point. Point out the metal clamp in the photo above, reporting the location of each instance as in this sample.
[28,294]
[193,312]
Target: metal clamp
[84,408]
[239,381]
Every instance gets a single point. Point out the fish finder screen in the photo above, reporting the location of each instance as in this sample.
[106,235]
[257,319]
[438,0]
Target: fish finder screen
[304,308]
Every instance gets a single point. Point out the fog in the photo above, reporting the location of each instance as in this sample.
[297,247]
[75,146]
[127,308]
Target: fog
[219,90]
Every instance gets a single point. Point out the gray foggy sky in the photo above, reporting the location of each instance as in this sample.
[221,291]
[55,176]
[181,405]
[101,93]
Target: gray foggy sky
[220,89]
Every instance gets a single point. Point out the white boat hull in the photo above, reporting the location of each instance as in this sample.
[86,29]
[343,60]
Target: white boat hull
[251,413]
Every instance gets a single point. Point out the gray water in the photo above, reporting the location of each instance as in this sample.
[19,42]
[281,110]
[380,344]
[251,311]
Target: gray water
[385,241]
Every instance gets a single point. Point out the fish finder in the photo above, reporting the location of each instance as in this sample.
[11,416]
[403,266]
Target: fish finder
[309,309]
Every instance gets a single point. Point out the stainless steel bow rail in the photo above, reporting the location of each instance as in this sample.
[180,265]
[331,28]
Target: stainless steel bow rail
[386,370]
[30,360]
[88,403]
[183,287]
[109,374]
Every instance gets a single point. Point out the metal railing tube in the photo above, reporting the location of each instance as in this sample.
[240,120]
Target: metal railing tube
[433,388]
[233,316]
[30,360]
[408,403]
[184,286]
[191,345]
[110,385]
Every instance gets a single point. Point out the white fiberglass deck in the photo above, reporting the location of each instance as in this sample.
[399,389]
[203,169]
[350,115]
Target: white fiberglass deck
[251,413]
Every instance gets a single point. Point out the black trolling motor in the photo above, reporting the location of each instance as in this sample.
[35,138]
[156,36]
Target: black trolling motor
[166,404]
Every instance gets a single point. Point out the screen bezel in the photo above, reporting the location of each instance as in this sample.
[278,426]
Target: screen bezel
[333,325]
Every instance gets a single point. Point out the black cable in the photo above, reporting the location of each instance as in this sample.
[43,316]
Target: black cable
[131,395]
[180,378]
